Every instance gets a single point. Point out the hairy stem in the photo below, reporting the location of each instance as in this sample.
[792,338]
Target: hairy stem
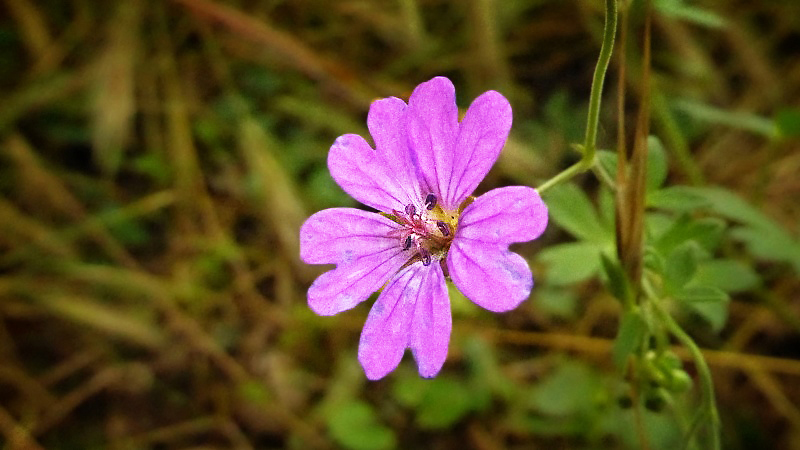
[588,149]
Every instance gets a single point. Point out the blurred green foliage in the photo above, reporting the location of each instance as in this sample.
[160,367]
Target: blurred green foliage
[158,158]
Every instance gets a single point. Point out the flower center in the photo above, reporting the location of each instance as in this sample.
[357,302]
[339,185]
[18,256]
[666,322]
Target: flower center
[426,232]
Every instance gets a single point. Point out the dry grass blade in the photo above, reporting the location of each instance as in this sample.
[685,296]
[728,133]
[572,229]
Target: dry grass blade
[32,26]
[114,103]
[111,321]
[17,437]
[287,48]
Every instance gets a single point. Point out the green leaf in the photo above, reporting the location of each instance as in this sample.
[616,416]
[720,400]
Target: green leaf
[735,119]
[354,426]
[707,232]
[569,389]
[677,9]
[444,403]
[632,329]
[764,237]
[571,262]
[608,160]
[771,244]
[657,167]
[726,274]
[709,302]
[680,266]
[676,198]
[615,278]
[570,208]
[605,200]
[732,206]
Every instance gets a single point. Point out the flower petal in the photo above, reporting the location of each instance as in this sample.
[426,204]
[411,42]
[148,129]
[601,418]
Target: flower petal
[430,330]
[339,235]
[413,310]
[479,261]
[432,127]
[386,123]
[481,136]
[361,172]
[490,275]
[358,242]
[504,215]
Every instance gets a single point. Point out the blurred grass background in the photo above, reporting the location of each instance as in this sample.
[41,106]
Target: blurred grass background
[158,157]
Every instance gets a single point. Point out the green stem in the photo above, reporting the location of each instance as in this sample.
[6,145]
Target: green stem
[703,372]
[609,32]
[589,149]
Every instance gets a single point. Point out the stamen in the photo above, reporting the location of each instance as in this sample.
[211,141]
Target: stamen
[444,228]
[407,244]
[426,257]
[411,210]
[430,202]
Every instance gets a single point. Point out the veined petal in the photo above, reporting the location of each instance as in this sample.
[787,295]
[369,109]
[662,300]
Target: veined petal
[412,311]
[349,284]
[479,261]
[358,242]
[504,215]
[386,123]
[339,235]
[481,136]
[430,330]
[359,170]
[490,275]
[432,128]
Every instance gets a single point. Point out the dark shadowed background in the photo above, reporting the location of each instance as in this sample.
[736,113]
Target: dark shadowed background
[157,159]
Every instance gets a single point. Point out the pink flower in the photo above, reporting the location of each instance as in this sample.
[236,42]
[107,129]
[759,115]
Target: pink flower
[420,178]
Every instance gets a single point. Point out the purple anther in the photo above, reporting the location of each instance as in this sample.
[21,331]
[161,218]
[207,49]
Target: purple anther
[426,258]
[407,244]
[430,202]
[411,210]
[444,228]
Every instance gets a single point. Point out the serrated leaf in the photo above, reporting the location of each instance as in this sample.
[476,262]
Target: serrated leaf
[444,403]
[570,208]
[632,329]
[726,274]
[571,262]
[354,426]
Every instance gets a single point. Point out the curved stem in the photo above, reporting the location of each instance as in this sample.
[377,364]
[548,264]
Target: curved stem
[703,372]
[588,148]
[609,32]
